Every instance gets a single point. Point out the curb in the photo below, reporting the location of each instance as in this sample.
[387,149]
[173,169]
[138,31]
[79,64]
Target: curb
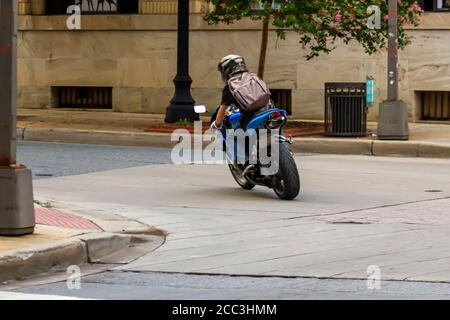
[101,245]
[28,263]
[333,146]
[95,137]
[372,147]
[87,248]
[352,146]
[411,149]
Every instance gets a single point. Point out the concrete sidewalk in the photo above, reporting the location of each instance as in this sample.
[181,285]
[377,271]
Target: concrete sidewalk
[63,238]
[106,127]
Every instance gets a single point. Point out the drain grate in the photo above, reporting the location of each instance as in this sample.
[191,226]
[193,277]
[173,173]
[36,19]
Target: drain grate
[84,97]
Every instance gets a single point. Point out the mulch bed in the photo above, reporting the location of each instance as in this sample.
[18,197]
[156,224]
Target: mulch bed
[302,128]
[23,118]
[293,128]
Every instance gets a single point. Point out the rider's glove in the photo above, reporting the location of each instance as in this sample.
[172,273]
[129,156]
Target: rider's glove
[214,126]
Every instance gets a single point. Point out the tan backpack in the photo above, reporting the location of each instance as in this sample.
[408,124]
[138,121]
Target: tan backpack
[250,91]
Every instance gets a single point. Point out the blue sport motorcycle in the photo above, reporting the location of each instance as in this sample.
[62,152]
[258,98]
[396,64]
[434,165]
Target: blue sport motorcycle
[246,162]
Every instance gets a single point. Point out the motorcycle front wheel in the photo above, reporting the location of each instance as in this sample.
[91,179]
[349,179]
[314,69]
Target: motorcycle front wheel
[236,171]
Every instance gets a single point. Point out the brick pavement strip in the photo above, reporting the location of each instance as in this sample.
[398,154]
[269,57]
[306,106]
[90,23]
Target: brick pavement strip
[58,218]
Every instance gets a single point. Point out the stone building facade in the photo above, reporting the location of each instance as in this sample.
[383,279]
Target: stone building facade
[126,60]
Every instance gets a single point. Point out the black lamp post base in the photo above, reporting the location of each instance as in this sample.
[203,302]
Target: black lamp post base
[176,112]
[182,104]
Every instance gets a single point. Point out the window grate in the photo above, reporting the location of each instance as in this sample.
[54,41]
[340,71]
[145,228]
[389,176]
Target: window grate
[84,97]
[58,7]
[282,99]
[435,105]
[435,5]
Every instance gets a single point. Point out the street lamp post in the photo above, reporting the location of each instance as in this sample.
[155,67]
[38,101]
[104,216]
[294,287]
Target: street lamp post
[182,104]
[16,191]
[393,115]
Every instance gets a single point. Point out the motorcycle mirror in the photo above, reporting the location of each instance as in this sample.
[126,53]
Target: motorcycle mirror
[200,109]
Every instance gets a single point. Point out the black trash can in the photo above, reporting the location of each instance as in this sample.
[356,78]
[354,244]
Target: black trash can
[345,109]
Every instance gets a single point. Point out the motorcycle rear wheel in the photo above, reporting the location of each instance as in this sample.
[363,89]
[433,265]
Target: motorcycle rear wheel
[286,183]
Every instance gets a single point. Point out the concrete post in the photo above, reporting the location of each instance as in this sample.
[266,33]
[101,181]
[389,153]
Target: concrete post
[16,192]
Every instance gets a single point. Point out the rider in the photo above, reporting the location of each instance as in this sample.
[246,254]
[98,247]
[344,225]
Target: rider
[230,65]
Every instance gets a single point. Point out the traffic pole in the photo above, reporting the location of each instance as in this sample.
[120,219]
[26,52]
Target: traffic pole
[393,113]
[16,191]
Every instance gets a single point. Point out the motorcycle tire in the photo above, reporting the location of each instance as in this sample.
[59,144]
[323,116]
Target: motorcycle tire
[287,181]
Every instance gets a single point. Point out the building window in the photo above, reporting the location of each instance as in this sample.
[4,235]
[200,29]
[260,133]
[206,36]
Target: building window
[282,99]
[57,7]
[435,5]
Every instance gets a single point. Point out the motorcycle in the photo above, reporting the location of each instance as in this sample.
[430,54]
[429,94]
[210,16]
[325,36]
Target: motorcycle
[285,180]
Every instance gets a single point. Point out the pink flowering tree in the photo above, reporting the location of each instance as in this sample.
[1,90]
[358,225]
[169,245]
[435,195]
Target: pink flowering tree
[320,23]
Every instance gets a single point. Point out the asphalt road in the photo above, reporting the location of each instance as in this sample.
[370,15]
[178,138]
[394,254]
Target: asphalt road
[353,212]
[49,160]
[156,286]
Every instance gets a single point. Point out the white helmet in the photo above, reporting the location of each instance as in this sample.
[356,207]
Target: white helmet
[231,64]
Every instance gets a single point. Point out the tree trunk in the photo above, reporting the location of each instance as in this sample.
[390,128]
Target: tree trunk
[264,40]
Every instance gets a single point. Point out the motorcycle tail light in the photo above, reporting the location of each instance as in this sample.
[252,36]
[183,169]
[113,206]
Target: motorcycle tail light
[275,115]
[276,123]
